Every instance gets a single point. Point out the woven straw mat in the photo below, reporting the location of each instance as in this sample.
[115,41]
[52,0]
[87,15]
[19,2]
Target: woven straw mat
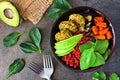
[32,10]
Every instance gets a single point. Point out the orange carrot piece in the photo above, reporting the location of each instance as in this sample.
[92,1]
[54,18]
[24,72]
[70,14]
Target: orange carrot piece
[104,31]
[95,30]
[101,24]
[100,28]
[99,19]
[100,37]
[109,35]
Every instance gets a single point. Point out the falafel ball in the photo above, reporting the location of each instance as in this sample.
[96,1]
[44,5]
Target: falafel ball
[68,25]
[78,19]
[62,35]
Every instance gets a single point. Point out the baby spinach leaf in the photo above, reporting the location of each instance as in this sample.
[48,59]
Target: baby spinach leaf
[62,4]
[86,45]
[87,59]
[101,46]
[11,39]
[99,60]
[106,54]
[99,76]
[15,67]
[35,36]
[114,76]
[59,7]
[28,47]
[54,13]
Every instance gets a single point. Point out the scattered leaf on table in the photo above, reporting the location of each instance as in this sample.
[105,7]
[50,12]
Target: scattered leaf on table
[35,36]
[16,67]
[11,39]
[28,47]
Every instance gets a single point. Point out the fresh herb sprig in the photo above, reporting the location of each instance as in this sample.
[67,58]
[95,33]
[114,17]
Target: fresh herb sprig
[34,46]
[59,7]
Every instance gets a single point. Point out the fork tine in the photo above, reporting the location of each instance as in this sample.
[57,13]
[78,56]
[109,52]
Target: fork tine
[44,62]
[35,67]
[48,61]
[51,61]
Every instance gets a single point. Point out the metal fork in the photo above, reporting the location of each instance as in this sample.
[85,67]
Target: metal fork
[48,67]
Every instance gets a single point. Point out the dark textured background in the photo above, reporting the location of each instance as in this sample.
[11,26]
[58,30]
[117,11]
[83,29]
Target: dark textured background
[111,8]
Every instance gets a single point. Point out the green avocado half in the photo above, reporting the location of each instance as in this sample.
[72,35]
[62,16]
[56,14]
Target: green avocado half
[6,10]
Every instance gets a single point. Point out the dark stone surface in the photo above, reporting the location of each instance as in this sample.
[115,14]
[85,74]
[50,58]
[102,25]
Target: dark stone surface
[110,8]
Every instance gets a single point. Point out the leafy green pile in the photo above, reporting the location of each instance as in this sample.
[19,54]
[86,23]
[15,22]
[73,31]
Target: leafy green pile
[59,7]
[102,76]
[93,53]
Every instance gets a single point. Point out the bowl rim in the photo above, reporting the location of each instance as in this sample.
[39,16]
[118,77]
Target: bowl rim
[113,39]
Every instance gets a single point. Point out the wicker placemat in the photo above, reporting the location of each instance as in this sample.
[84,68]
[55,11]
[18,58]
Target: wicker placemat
[32,10]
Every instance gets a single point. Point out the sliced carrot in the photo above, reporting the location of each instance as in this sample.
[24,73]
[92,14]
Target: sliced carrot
[104,31]
[100,37]
[95,30]
[109,35]
[99,19]
[101,24]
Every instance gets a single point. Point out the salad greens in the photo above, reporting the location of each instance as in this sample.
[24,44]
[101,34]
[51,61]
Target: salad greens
[16,67]
[96,52]
[59,7]
[99,60]
[87,58]
[11,39]
[86,45]
[101,46]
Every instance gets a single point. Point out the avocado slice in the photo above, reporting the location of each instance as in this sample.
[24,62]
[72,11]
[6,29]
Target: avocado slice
[9,14]
[64,47]
[64,51]
[67,42]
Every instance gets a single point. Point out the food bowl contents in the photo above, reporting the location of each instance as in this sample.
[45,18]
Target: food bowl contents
[83,41]
[9,14]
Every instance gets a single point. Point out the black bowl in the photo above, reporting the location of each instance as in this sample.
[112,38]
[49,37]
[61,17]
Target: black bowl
[84,10]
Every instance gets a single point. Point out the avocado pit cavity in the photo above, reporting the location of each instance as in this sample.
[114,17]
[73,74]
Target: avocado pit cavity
[8,13]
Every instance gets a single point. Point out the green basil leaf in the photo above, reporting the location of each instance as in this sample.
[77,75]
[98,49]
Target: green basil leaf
[35,36]
[11,39]
[86,45]
[62,4]
[106,54]
[16,67]
[101,46]
[87,59]
[99,76]
[28,47]
[99,60]
[114,76]
[54,13]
